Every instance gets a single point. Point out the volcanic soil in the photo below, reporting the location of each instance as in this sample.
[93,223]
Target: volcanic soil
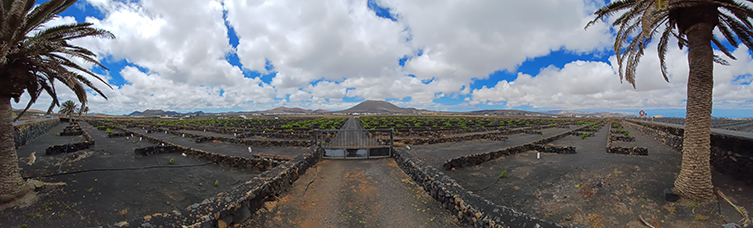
[597,189]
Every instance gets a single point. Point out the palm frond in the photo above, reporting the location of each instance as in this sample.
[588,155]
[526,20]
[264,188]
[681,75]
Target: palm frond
[727,34]
[610,9]
[662,50]
[723,48]
[37,60]
[45,12]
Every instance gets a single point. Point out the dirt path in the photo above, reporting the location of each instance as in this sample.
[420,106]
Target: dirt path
[354,193]
[351,135]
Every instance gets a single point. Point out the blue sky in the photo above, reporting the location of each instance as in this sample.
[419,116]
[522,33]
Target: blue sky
[238,55]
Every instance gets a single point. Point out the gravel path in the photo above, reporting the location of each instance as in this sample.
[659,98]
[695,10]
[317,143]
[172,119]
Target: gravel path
[354,193]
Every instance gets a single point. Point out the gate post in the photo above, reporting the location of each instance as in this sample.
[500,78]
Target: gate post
[392,141]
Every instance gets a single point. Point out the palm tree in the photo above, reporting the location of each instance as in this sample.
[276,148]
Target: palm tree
[84,110]
[68,108]
[692,23]
[32,57]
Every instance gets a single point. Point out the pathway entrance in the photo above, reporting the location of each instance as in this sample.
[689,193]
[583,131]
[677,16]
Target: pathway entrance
[354,193]
[352,141]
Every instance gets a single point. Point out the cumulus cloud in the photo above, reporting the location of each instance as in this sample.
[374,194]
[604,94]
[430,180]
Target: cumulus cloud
[595,85]
[465,40]
[321,53]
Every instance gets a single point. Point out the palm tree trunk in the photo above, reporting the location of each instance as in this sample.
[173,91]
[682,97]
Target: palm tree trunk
[12,185]
[694,182]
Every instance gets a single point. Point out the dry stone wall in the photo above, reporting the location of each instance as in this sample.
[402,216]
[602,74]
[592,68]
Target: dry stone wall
[465,205]
[259,163]
[730,154]
[236,205]
[24,133]
[541,145]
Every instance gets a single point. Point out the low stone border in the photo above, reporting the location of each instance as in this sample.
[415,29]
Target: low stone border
[72,129]
[628,150]
[234,206]
[465,205]
[201,138]
[500,135]
[581,133]
[661,133]
[730,155]
[151,150]
[622,138]
[68,148]
[25,132]
[495,136]
[554,149]
[620,149]
[72,147]
[260,163]
[118,135]
[475,159]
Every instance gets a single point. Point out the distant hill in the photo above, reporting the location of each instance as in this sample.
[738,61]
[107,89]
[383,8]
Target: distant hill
[150,112]
[159,112]
[288,110]
[382,107]
[506,113]
[589,114]
[29,111]
[371,106]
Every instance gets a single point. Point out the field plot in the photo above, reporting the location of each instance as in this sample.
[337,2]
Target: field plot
[417,126]
[568,171]
[286,137]
[436,154]
[109,182]
[266,128]
[727,124]
[595,188]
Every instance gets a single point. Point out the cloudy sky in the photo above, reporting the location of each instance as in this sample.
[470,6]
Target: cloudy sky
[233,55]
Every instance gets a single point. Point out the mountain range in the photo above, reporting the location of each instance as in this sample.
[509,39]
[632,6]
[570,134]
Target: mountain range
[159,112]
[381,107]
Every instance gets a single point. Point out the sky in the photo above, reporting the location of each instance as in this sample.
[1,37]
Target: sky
[443,55]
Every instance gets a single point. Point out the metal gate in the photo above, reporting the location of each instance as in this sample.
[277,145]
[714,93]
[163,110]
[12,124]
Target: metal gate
[355,144]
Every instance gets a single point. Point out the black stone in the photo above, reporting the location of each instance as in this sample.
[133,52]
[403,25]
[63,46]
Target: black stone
[670,196]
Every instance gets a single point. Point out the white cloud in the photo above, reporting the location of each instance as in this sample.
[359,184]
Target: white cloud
[595,85]
[323,51]
[472,39]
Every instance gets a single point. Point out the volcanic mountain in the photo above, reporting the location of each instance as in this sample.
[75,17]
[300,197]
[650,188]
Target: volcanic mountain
[150,112]
[371,106]
[506,113]
[288,110]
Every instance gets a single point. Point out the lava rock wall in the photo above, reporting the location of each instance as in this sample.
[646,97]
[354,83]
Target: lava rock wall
[465,205]
[730,154]
[24,133]
[234,206]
